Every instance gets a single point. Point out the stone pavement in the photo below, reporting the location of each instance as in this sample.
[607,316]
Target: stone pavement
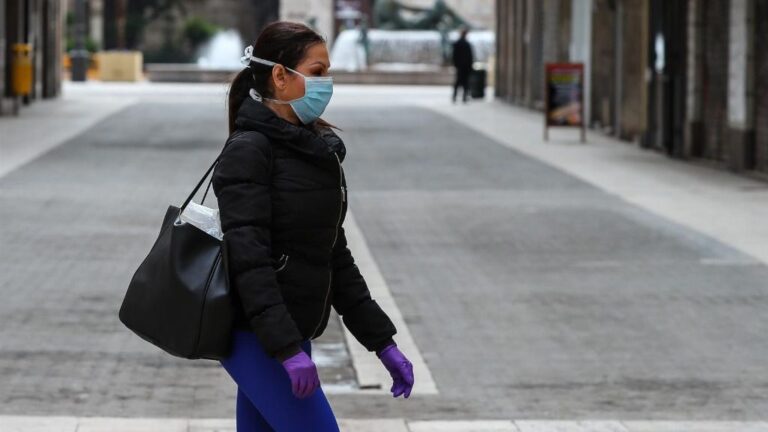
[77,220]
[533,293]
[537,280]
[735,206]
[113,424]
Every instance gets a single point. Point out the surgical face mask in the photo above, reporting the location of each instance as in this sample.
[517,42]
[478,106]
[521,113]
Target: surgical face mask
[317,92]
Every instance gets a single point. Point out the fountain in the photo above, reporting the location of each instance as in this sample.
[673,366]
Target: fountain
[410,45]
[402,50]
[223,51]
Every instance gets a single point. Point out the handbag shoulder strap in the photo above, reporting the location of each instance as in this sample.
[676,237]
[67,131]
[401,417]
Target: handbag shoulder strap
[207,173]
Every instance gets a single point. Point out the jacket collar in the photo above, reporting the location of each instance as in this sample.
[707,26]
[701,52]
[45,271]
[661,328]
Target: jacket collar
[311,140]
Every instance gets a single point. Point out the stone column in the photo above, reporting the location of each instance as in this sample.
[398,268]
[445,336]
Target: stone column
[511,44]
[694,86]
[602,65]
[581,46]
[740,131]
[534,70]
[96,24]
[3,53]
[14,20]
[761,87]
[502,49]
[518,61]
[503,36]
[632,85]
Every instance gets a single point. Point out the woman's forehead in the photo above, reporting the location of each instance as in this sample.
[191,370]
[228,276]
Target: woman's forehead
[317,53]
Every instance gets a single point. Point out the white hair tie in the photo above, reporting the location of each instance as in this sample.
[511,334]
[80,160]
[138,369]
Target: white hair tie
[254,95]
[246,59]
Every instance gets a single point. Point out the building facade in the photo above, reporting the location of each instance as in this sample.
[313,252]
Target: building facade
[530,33]
[688,77]
[39,23]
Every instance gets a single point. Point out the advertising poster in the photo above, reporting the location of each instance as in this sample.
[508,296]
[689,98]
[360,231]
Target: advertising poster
[564,96]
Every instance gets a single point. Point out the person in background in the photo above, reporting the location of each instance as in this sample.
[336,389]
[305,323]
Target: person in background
[462,61]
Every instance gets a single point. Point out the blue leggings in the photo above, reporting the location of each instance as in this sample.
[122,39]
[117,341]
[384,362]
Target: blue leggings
[265,402]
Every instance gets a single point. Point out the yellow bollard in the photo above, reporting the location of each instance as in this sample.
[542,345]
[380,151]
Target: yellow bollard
[21,69]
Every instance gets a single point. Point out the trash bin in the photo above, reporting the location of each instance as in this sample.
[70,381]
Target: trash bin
[21,69]
[79,59]
[477,82]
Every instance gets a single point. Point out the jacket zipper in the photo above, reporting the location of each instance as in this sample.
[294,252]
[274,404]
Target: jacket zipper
[285,263]
[335,237]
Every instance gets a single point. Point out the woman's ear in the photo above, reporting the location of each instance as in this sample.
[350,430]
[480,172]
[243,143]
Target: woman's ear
[279,77]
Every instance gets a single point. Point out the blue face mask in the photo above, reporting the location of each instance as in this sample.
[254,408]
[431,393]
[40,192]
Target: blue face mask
[317,92]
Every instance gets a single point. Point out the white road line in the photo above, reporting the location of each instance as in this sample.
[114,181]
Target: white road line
[570,426]
[372,425]
[462,426]
[121,424]
[371,374]
[693,426]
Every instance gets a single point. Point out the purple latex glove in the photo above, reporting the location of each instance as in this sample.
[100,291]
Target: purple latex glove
[399,368]
[303,373]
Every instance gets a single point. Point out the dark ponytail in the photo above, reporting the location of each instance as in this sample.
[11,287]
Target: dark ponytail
[238,91]
[282,42]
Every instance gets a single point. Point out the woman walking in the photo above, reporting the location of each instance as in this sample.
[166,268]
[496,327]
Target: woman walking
[283,198]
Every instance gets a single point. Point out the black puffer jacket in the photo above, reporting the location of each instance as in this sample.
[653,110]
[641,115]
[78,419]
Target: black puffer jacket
[282,199]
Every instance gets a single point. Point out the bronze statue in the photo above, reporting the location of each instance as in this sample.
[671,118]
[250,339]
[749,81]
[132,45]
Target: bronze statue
[393,15]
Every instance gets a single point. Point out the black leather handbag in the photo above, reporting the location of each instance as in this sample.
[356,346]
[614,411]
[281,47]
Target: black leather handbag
[179,297]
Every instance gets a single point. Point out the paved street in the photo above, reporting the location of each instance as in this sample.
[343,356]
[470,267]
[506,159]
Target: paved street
[536,284]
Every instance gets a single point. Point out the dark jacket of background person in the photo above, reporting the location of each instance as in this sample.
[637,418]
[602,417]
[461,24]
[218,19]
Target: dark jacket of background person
[282,199]
[462,57]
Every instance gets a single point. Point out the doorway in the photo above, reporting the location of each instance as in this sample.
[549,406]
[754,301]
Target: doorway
[667,38]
